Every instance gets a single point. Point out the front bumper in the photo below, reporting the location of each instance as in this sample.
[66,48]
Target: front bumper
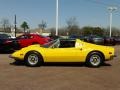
[15,58]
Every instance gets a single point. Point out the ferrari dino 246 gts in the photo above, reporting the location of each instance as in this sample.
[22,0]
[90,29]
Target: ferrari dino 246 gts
[64,51]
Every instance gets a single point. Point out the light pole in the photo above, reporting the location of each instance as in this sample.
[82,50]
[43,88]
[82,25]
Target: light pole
[57,7]
[111,9]
[15,25]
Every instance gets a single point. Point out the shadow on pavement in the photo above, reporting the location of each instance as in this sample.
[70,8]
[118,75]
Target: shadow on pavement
[19,63]
[106,64]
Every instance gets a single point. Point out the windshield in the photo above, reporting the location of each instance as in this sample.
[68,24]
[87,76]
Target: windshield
[52,44]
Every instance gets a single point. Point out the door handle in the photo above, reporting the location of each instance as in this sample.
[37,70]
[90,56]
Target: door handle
[81,49]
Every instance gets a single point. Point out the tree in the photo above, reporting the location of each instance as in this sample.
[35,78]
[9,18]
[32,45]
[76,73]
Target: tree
[25,26]
[98,31]
[5,25]
[72,22]
[52,30]
[87,30]
[43,25]
[115,31]
[72,26]
[63,31]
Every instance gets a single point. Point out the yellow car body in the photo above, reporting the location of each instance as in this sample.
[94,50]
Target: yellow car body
[53,53]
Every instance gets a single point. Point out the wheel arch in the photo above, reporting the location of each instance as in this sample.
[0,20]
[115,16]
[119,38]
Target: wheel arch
[95,51]
[36,52]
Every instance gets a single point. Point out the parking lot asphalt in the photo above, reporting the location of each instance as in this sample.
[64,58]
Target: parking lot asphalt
[59,77]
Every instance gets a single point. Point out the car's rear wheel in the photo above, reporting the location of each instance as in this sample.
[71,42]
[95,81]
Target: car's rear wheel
[94,59]
[33,59]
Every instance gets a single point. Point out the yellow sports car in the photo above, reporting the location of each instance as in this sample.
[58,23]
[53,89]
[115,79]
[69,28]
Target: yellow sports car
[64,51]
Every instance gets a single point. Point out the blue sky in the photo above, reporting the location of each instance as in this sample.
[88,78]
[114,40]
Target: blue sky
[87,12]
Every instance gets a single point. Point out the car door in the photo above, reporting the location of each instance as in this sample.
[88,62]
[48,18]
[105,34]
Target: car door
[63,55]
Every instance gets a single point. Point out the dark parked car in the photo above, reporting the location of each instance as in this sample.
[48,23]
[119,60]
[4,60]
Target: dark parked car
[5,42]
[100,40]
[109,41]
[77,37]
[117,39]
[91,39]
[94,39]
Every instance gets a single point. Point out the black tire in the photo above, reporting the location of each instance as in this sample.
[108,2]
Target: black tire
[33,59]
[94,59]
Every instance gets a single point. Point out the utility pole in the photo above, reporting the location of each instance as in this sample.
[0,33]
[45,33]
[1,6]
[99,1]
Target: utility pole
[15,25]
[57,8]
[111,9]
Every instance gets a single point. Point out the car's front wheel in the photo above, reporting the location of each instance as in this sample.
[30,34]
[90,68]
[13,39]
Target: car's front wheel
[33,59]
[95,59]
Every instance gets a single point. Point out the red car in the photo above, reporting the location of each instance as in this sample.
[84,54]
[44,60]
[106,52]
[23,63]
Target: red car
[29,39]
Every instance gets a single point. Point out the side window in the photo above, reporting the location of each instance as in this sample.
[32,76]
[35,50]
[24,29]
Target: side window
[21,37]
[26,37]
[67,44]
[30,36]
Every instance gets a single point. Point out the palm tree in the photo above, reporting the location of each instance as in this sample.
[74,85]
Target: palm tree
[25,26]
